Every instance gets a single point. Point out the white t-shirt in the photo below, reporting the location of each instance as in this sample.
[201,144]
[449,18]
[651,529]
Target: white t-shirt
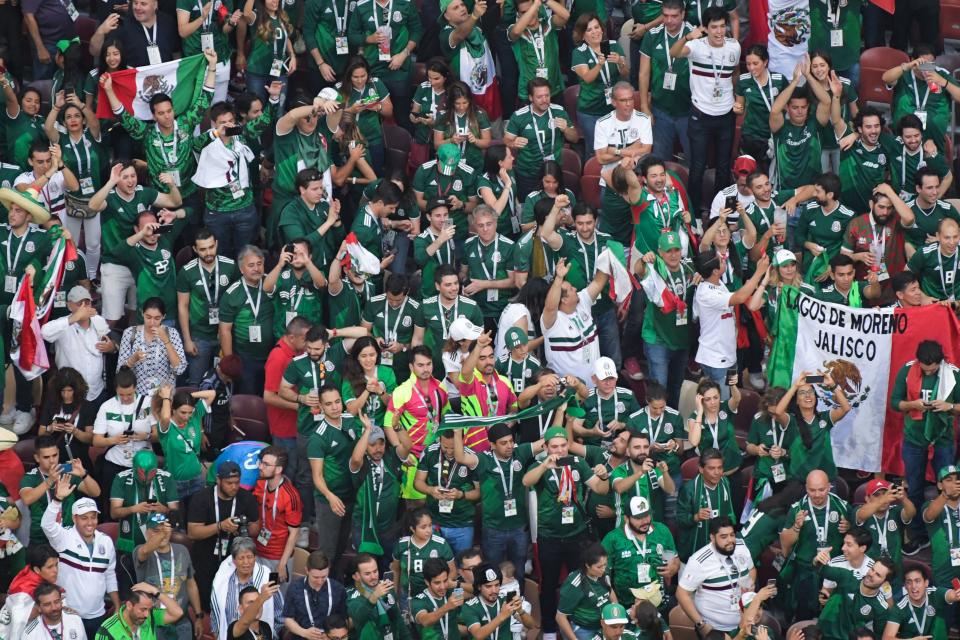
[721,198]
[711,75]
[789,23]
[841,562]
[571,344]
[718,326]
[728,578]
[52,195]
[612,132]
[511,313]
[114,418]
[71,629]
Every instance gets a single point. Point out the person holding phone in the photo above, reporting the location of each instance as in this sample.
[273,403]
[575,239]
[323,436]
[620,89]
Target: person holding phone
[583,594]
[488,615]
[242,574]
[372,605]
[69,415]
[153,350]
[813,449]
[434,608]
[886,515]
[323,602]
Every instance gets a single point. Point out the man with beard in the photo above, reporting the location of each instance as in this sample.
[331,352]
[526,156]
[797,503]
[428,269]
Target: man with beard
[146,608]
[640,475]
[312,217]
[928,208]
[434,247]
[857,603]
[640,551]
[348,290]
[853,558]
[53,621]
[714,578]
[820,228]
[281,513]
[864,164]
[875,240]
[371,602]
[200,284]
[483,391]
[912,155]
[911,616]
[487,614]
[937,264]
[664,428]
[886,515]
[298,289]
[769,211]
[389,319]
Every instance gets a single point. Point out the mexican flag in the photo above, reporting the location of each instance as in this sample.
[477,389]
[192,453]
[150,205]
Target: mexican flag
[613,262]
[27,350]
[473,65]
[654,284]
[134,87]
[51,279]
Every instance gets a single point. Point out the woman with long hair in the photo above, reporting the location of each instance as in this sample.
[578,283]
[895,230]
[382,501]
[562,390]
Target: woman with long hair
[351,143]
[368,100]
[782,276]
[522,312]
[153,350]
[813,449]
[464,124]
[87,157]
[427,103]
[820,68]
[498,189]
[650,624]
[23,121]
[417,544]
[770,438]
[711,424]
[755,93]
[271,50]
[552,185]
[581,594]
[598,72]
[68,416]
[111,60]
[367,384]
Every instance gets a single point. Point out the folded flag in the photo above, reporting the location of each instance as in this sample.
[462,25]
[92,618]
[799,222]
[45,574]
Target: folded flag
[50,279]
[613,262]
[27,351]
[358,258]
[134,87]
[654,284]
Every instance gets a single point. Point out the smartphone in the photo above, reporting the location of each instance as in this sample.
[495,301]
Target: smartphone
[605,48]
[274,577]
[151,501]
[66,467]
[162,229]
[817,379]
[731,203]
[928,66]
[388,575]
[732,375]
[510,595]
[565,461]
[288,248]
[955,583]
[69,88]
[772,582]
[128,431]
[458,592]
[233,131]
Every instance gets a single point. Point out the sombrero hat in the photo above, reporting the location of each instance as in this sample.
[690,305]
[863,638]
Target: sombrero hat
[28,201]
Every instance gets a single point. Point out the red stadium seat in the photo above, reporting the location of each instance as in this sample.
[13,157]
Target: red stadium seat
[571,162]
[681,626]
[873,62]
[590,190]
[572,182]
[749,404]
[592,168]
[395,137]
[570,96]
[184,256]
[950,21]
[112,529]
[681,170]
[690,468]
[249,407]
[860,495]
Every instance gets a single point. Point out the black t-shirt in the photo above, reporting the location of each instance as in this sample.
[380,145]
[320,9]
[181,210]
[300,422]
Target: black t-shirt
[217,423]
[264,632]
[85,418]
[203,511]
[134,36]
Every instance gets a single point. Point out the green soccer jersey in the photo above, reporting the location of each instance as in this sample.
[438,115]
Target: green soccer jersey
[671,329]
[120,216]
[766,431]
[582,598]
[462,125]
[251,312]
[911,95]
[518,372]
[428,264]
[927,221]
[374,621]
[582,258]
[369,119]
[544,140]
[848,96]
[904,166]
[436,318]
[849,609]
[295,296]
[404,24]
[825,229]
[763,218]
[300,220]
[930,427]
[325,21]
[526,213]
[445,472]
[758,99]
[656,215]
[306,375]
[19,252]
[87,158]
[492,261]
[181,445]
[508,221]
[411,555]
[927,619]
[537,52]
[669,76]
[886,529]
[719,434]
[819,455]
[444,629]
[34,478]
[648,486]
[759,532]
[633,559]
[695,9]
[206,287]
[153,269]
[477,612]
[835,29]
[663,429]
[293,152]
[430,103]
[695,495]
[821,527]
[263,53]
[334,445]
[854,297]
[558,519]
[862,169]
[944,534]
[533,256]
[233,198]
[602,411]
[503,498]
[346,306]
[392,324]
[377,489]
[374,408]
[368,228]
[462,184]
[797,152]
[211,26]
[21,132]
[595,97]
[125,487]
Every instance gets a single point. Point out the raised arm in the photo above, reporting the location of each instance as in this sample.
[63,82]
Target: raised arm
[552,303]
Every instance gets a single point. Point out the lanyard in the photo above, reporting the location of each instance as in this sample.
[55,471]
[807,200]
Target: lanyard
[821,531]
[173,569]
[216,515]
[208,19]
[717,70]
[391,334]
[342,22]
[682,293]
[59,628]
[139,517]
[431,410]
[495,258]
[445,618]
[296,294]
[86,148]
[604,71]
[767,101]
[306,600]
[12,266]
[254,307]
[318,378]
[279,44]
[663,216]
[881,241]
[376,469]
[586,260]
[666,48]
[443,317]
[449,260]
[943,275]
[833,12]
[536,131]
[882,530]
[616,413]
[163,145]
[451,472]
[922,623]
[216,282]
[276,499]
[496,633]
[951,527]
[903,165]
[151,41]
[774,428]
[507,489]
[376,12]
[916,93]
[714,430]
[633,538]
[654,432]
[539,47]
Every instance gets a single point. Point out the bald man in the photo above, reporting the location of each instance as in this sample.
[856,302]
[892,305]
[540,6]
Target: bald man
[816,522]
[937,264]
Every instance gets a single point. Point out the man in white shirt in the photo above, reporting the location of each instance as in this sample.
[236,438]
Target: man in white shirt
[53,621]
[714,58]
[714,305]
[727,566]
[81,340]
[743,166]
[622,133]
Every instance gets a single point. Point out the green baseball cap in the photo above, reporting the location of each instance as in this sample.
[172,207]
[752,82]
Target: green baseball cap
[668,241]
[949,470]
[63,45]
[555,432]
[448,157]
[444,4]
[614,613]
[515,337]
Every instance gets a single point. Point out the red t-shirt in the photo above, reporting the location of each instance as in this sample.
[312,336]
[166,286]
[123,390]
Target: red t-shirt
[283,422]
[282,509]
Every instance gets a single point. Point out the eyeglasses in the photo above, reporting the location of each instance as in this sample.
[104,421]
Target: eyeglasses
[806,392]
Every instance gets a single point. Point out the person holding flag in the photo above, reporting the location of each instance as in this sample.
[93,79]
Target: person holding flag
[463,43]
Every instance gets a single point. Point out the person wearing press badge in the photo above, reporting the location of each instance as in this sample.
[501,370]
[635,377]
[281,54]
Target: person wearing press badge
[431,609]
[924,610]
[886,515]
[487,615]
[925,90]
[389,318]
[702,502]
[413,551]
[206,24]
[325,36]
[271,49]
[372,605]
[69,413]
[298,290]
[122,427]
[913,154]
[148,35]
[237,579]
[600,64]
[314,602]
[54,621]
[179,430]
[496,188]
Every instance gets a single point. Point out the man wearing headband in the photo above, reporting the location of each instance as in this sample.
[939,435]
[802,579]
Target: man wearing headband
[488,615]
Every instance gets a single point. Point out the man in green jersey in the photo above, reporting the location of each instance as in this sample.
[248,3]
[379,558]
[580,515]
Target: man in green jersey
[325,36]
[924,611]
[298,289]
[821,227]
[928,209]
[940,519]
[148,253]
[448,179]
[312,217]
[437,313]
[770,210]
[144,612]
[701,501]
[856,603]
[937,265]
[665,429]
[537,131]
[796,138]
[372,604]
[487,615]
[845,288]
[607,407]
[168,143]
[536,45]
[452,491]
[835,29]
[664,81]
[389,317]
[641,476]
[865,163]
[435,609]
[202,26]
[246,318]
[886,514]
[488,256]
[640,551]
[912,93]
[371,222]
[435,245]
[200,286]
[912,155]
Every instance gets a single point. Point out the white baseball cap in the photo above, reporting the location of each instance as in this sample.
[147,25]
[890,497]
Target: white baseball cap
[83,506]
[605,368]
[463,329]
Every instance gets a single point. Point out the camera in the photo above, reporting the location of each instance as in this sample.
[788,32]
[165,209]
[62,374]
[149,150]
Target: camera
[242,522]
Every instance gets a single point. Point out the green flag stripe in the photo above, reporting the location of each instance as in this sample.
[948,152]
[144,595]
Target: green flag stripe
[454,421]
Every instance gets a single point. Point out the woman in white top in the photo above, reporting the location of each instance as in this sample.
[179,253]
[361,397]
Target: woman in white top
[520,312]
[152,350]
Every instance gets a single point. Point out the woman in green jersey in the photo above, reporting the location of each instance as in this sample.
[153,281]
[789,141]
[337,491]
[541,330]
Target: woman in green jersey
[769,440]
[814,448]
[552,185]
[755,93]
[711,424]
[600,63]
[412,550]
[498,190]
[368,100]
[583,594]
[464,124]
[271,50]
[367,385]
[820,68]
[428,101]
[21,122]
